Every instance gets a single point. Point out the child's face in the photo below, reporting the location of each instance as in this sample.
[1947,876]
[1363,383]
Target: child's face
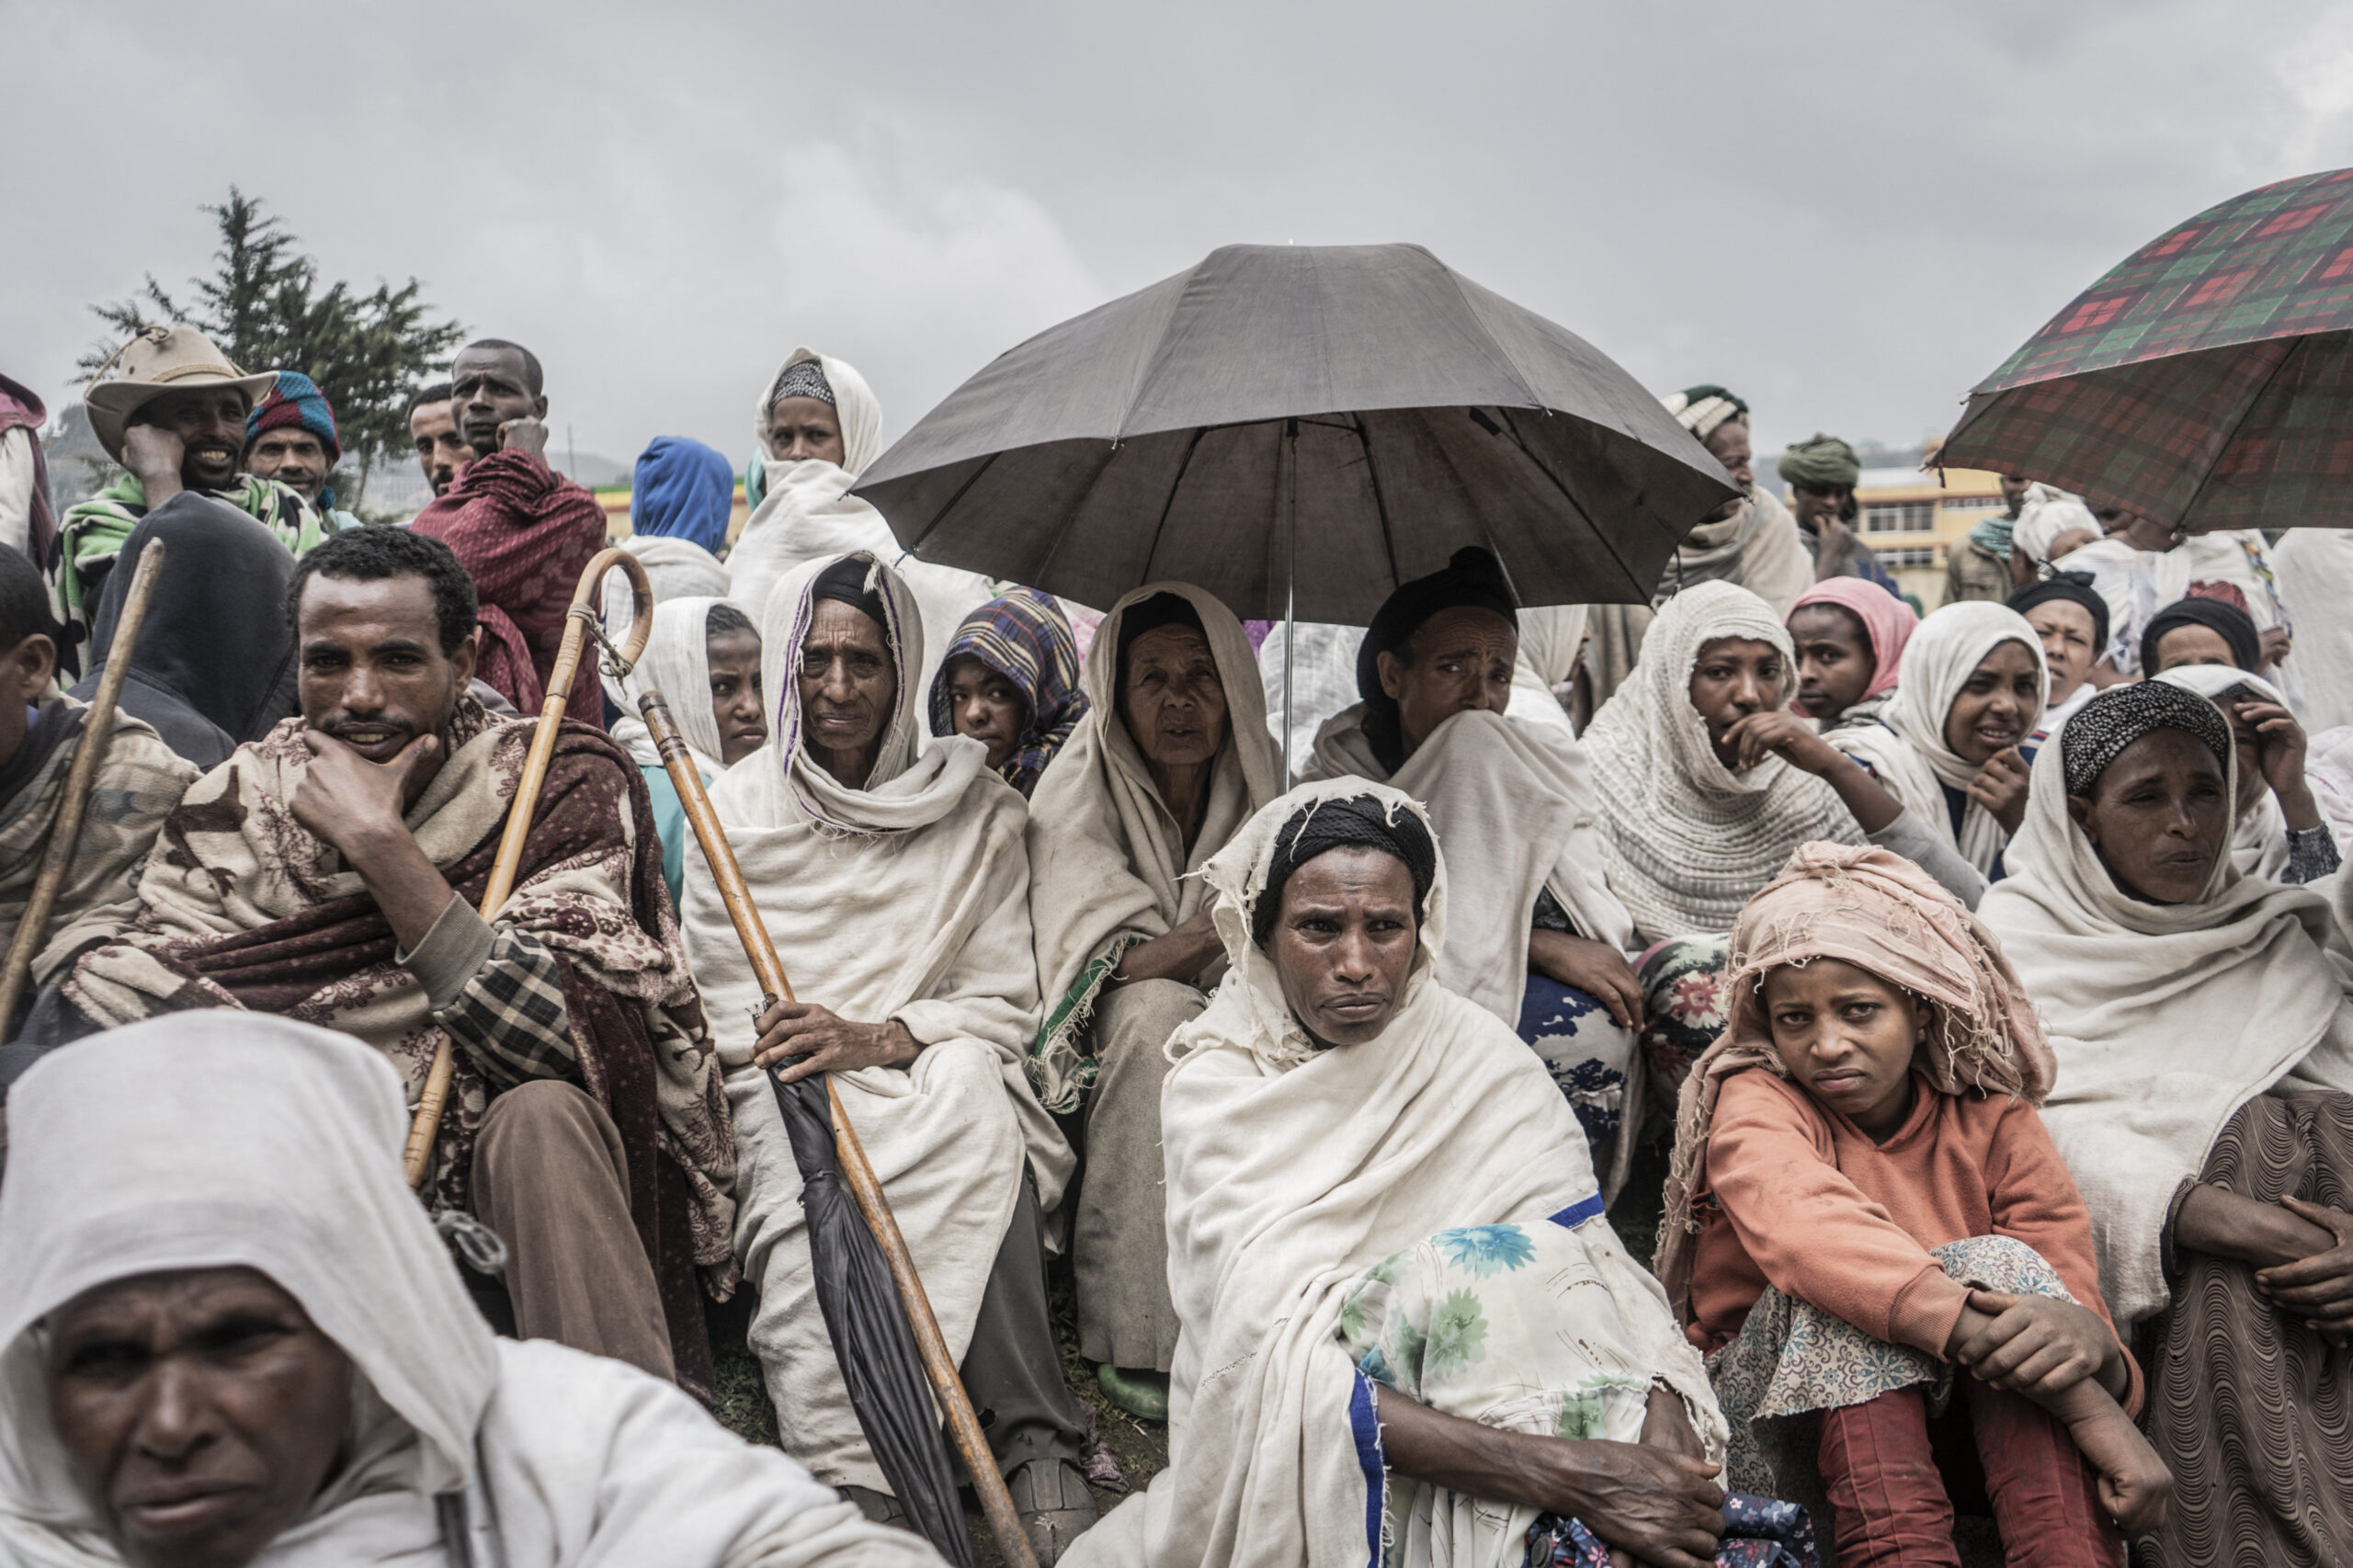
[1848,1036]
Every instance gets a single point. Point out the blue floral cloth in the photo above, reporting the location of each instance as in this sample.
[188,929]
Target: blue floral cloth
[1585,1051]
[1758,1533]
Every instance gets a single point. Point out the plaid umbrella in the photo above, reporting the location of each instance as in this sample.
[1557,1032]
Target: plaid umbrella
[2204,381]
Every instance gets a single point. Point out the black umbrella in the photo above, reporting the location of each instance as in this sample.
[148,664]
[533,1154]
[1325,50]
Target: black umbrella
[868,1327]
[1299,429]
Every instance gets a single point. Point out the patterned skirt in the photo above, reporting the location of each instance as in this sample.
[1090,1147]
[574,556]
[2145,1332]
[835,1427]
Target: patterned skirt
[1684,1008]
[1792,1360]
[2249,1408]
[1592,1058]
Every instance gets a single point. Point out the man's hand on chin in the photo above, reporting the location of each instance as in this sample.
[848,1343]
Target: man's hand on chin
[354,803]
[526,434]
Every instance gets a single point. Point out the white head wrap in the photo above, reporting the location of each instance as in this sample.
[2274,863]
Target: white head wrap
[211,1139]
[1906,748]
[2165,1018]
[1686,840]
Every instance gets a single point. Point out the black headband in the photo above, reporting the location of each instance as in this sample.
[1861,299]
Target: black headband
[2103,727]
[2234,625]
[1473,578]
[2068,588]
[845,583]
[1357,821]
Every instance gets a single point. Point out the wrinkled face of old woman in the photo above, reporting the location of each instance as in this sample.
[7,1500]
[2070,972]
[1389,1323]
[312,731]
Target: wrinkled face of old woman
[201,1411]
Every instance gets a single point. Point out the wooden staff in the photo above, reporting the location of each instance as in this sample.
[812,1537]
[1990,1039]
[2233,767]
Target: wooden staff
[947,1386]
[66,833]
[588,606]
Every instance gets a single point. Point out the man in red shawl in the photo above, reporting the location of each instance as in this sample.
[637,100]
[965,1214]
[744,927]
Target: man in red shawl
[522,531]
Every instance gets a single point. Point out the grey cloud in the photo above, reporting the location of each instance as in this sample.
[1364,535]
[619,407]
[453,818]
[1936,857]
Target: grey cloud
[1850,212]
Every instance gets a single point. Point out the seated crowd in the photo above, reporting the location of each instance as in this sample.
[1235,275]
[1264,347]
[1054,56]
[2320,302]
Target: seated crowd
[1978,981]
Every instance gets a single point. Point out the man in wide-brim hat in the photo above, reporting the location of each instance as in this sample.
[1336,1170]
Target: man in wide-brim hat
[174,417]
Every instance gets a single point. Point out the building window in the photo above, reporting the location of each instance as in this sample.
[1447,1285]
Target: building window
[1900,518]
[1975,503]
[1899,559]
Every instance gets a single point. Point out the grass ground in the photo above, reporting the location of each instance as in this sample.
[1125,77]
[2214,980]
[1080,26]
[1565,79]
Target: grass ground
[1139,1448]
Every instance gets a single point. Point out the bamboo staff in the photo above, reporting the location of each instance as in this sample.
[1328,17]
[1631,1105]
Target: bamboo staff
[947,1386]
[587,605]
[97,736]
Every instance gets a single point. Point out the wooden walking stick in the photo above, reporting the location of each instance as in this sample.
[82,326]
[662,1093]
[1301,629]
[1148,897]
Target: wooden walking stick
[97,736]
[940,1366]
[588,605]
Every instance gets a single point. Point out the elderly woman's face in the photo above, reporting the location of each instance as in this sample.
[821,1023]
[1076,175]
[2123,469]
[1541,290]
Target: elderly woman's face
[1343,943]
[1459,659]
[2158,817]
[201,1411]
[1171,700]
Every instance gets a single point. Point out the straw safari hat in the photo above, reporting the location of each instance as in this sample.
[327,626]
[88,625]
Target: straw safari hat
[163,359]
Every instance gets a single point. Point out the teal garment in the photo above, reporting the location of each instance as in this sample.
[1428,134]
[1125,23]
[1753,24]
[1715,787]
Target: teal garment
[670,821]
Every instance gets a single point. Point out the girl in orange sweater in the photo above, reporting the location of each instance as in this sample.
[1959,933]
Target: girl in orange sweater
[1864,1201]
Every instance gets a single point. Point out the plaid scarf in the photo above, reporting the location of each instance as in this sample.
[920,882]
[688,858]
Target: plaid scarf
[524,533]
[90,539]
[1025,637]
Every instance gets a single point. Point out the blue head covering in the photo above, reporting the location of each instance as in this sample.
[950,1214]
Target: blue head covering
[684,490]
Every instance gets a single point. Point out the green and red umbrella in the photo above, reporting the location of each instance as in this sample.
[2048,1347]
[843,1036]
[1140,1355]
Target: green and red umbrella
[2206,381]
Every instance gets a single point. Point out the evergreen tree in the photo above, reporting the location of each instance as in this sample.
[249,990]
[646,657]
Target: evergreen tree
[265,307]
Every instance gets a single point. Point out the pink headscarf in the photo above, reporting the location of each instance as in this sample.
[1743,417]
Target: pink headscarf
[1887,621]
[1877,911]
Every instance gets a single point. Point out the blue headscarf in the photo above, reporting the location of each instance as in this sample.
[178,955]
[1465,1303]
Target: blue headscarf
[684,490]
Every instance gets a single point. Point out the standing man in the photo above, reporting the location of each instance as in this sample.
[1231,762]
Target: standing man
[433,428]
[291,439]
[331,871]
[176,418]
[1984,565]
[1822,475]
[522,531]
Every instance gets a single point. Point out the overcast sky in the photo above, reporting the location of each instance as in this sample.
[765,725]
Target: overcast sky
[1847,212]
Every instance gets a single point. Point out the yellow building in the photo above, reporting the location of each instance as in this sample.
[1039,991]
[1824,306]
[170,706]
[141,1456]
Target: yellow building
[1910,517]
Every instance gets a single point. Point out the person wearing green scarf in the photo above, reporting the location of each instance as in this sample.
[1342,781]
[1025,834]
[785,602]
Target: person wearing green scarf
[1821,474]
[1980,566]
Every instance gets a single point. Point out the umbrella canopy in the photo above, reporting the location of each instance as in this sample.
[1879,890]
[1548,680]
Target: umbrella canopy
[2204,381]
[1396,409]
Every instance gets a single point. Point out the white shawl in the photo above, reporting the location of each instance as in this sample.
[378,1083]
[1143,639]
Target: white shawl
[2136,583]
[810,514]
[677,662]
[675,569]
[2315,567]
[2044,513]
[906,898]
[1292,1171]
[1513,807]
[2166,1018]
[1756,548]
[213,1140]
[1107,863]
[2259,842]
[1905,745]
[1686,840]
[1550,638]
